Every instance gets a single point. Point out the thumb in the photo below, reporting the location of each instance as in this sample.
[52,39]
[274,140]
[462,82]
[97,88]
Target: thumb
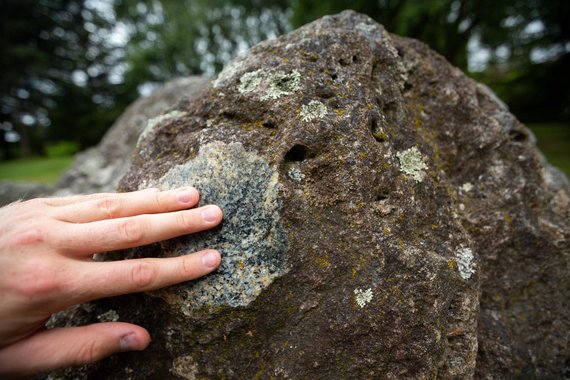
[56,348]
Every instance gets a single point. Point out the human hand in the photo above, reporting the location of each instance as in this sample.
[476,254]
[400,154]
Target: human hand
[46,250]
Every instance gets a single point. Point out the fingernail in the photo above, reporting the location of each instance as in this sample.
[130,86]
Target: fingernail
[210,259]
[129,342]
[210,214]
[151,189]
[186,195]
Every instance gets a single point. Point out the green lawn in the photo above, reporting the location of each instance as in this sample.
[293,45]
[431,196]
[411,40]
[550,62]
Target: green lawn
[44,170]
[554,142]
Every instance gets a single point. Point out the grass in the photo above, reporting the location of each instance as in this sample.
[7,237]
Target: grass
[554,142]
[44,170]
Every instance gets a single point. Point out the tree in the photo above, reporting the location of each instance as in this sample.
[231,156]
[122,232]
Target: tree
[177,38]
[54,72]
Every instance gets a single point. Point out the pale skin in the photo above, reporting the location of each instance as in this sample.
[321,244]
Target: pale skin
[46,265]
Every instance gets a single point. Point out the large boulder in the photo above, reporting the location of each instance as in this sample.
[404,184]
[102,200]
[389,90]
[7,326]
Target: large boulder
[385,217]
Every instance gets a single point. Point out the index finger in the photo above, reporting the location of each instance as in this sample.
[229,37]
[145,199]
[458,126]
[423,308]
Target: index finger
[120,205]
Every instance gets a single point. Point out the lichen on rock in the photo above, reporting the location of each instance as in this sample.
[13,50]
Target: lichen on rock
[464,256]
[250,81]
[152,123]
[313,110]
[271,84]
[411,163]
[363,297]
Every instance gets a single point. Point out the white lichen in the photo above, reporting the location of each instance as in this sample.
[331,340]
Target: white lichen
[272,84]
[365,27]
[282,84]
[152,123]
[466,187]
[464,257]
[313,110]
[296,174]
[250,81]
[411,163]
[363,297]
[109,316]
[230,70]
[185,367]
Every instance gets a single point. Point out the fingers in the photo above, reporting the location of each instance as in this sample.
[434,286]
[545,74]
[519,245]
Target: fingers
[112,278]
[121,233]
[121,205]
[63,201]
[52,349]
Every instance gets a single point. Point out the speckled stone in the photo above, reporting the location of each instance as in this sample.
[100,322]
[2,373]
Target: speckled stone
[449,261]
[251,239]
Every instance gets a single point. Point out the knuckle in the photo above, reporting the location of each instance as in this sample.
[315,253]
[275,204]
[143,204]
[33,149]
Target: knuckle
[132,231]
[110,207]
[35,202]
[187,267]
[143,274]
[89,352]
[31,236]
[37,281]
[185,219]
[156,200]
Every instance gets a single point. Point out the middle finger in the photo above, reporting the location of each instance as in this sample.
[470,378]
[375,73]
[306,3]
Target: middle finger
[84,239]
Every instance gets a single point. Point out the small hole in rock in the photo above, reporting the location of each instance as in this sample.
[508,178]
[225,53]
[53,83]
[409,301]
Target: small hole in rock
[517,136]
[400,52]
[378,134]
[298,153]
[269,125]
[381,197]
[354,58]
[334,76]
[334,103]
[229,114]
[325,93]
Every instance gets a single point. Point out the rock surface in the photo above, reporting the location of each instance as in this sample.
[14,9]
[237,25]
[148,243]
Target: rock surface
[385,217]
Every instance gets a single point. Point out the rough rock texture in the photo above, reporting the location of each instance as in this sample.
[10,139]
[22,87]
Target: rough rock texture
[385,217]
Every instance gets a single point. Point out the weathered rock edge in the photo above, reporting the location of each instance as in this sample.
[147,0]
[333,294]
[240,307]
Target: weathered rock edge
[426,235]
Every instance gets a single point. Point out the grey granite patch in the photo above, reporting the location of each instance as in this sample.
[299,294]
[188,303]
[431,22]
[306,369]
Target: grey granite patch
[251,239]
